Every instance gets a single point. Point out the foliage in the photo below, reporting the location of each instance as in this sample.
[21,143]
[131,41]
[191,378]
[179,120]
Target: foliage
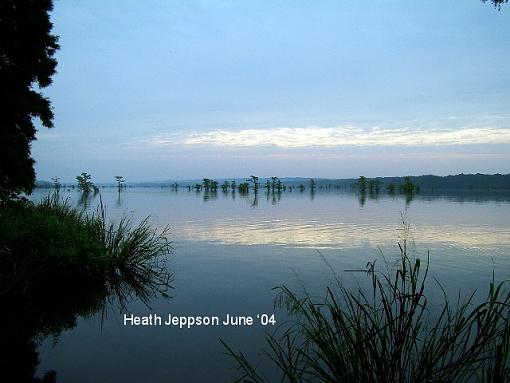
[497,3]
[459,181]
[52,240]
[362,184]
[373,186]
[409,187]
[56,183]
[84,182]
[27,63]
[255,181]
[389,334]
[57,265]
[244,188]
[120,181]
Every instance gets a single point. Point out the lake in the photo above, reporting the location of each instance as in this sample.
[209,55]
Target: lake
[229,251]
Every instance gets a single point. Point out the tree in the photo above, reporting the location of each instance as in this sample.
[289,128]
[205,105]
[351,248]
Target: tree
[497,3]
[279,186]
[244,188]
[373,186]
[84,182]
[27,63]
[362,184]
[207,184]
[273,183]
[255,181]
[120,182]
[56,183]
[409,187]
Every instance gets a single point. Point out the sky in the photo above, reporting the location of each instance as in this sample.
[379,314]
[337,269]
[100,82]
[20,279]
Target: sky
[165,90]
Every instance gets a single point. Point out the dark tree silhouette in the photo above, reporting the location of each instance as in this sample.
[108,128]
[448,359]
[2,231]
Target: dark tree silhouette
[27,63]
[120,182]
[84,182]
[497,3]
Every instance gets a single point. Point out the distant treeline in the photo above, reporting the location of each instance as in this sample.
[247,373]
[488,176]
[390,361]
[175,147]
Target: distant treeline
[461,181]
[425,182]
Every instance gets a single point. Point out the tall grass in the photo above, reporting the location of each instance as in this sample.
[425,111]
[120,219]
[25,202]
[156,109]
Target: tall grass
[59,264]
[388,333]
[53,238]
[134,254]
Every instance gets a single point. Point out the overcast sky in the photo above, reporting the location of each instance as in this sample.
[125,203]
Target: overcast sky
[156,90]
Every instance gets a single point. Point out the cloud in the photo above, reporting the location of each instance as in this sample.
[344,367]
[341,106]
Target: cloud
[331,137]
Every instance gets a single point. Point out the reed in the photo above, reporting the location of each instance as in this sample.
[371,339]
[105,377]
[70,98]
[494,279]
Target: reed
[388,333]
[52,239]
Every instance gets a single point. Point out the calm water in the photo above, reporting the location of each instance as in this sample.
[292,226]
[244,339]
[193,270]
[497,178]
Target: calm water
[229,251]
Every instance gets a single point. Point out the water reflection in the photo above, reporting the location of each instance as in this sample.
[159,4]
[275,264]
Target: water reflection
[86,199]
[210,195]
[48,310]
[320,235]
[119,201]
[409,197]
[363,196]
[232,249]
[255,200]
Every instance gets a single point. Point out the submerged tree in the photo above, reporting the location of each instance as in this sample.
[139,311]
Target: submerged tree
[244,188]
[279,186]
[56,183]
[27,63]
[409,187]
[274,181]
[120,182]
[373,186]
[362,184]
[255,181]
[207,184]
[85,182]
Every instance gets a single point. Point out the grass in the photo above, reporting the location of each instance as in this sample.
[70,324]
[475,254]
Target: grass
[388,333]
[59,264]
[53,241]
